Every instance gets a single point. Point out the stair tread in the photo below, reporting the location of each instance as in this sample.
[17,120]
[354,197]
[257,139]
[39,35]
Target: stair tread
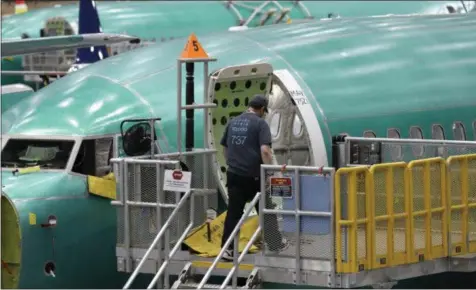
[194,285]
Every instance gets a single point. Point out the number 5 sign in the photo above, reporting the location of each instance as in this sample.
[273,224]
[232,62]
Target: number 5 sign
[193,48]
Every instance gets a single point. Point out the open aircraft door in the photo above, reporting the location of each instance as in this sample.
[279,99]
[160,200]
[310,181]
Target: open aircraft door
[296,134]
[231,88]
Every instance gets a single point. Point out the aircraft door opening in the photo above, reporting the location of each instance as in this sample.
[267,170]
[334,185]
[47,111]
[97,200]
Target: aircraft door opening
[299,140]
[290,115]
[290,138]
[231,88]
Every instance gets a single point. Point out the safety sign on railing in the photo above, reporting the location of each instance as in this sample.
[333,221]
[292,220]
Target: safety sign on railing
[281,187]
[176,180]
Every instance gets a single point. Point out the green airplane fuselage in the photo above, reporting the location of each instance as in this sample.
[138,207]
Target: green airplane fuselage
[164,20]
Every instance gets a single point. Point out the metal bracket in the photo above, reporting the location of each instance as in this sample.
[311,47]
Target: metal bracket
[183,276]
[337,281]
[253,281]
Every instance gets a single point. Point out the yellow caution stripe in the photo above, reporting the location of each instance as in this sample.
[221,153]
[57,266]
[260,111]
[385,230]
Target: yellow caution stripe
[222,265]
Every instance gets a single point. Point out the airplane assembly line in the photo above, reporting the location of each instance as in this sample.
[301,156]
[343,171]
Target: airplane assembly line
[113,175]
[161,21]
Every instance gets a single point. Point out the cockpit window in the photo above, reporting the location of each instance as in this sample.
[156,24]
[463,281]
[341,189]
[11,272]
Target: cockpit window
[49,154]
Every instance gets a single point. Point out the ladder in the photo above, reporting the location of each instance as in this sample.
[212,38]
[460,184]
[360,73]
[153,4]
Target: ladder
[189,146]
[188,276]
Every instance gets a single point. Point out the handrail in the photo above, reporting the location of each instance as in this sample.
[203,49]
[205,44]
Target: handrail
[156,240]
[411,141]
[228,242]
[177,245]
[241,257]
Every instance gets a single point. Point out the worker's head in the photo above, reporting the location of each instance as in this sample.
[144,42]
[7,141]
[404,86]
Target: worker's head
[259,105]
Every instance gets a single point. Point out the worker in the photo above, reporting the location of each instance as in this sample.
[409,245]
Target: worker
[246,145]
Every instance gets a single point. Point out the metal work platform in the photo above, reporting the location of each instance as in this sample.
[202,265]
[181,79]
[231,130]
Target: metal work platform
[370,221]
[363,259]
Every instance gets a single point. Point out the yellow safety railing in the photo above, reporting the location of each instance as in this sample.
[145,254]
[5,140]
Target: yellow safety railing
[390,212]
[461,181]
[397,213]
[429,224]
[352,219]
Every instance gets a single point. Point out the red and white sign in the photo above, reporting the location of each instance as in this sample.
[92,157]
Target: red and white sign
[175,180]
[281,187]
[177,175]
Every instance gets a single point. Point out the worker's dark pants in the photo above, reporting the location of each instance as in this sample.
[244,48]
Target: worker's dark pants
[242,189]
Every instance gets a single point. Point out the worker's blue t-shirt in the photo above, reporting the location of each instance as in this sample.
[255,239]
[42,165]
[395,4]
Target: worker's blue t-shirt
[244,136]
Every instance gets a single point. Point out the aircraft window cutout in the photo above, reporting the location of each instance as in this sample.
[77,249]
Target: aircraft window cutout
[437,132]
[396,150]
[297,126]
[369,134]
[417,133]
[474,130]
[94,157]
[48,154]
[459,131]
[274,124]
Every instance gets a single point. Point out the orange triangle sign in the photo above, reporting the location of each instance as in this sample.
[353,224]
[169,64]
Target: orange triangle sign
[193,48]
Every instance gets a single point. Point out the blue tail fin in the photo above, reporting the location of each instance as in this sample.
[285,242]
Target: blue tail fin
[89,23]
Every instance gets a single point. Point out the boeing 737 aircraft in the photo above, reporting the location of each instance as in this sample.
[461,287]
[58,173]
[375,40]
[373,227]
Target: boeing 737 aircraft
[89,25]
[371,76]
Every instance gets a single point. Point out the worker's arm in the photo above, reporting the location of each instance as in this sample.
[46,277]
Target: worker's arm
[224,143]
[265,143]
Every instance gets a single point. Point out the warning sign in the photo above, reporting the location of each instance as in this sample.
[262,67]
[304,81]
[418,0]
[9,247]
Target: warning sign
[193,48]
[281,187]
[176,180]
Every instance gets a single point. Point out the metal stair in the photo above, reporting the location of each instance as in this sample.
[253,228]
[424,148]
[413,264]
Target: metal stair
[164,258]
[191,275]
[187,277]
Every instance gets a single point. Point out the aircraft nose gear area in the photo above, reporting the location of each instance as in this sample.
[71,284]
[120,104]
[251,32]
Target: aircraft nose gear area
[11,245]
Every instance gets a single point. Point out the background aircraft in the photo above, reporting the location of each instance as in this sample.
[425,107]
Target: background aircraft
[89,23]
[164,20]
[377,76]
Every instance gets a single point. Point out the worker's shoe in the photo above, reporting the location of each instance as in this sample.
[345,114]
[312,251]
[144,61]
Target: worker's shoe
[258,244]
[228,256]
